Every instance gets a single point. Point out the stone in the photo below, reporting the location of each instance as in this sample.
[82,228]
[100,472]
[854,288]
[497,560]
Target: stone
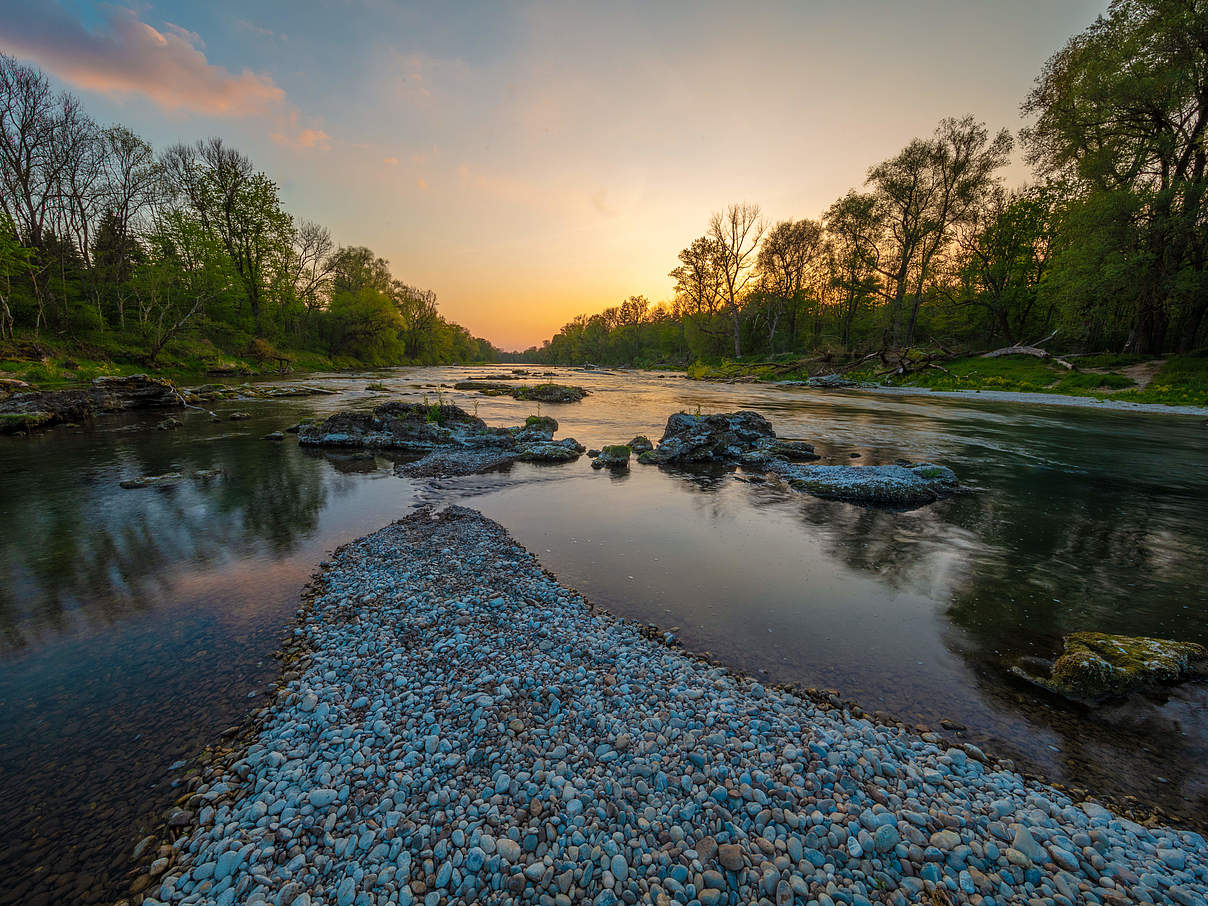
[613,457]
[1096,666]
[729,855]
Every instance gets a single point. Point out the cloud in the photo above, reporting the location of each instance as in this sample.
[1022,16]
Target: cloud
[126,56]
[390,161]
[292,134]
[422,183]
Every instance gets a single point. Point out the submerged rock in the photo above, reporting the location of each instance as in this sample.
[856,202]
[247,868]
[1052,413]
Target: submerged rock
[25,410]
[208,393]
[889,485]
[1097,666]
[540,393]
[152,481]
[829,382]
[612,457]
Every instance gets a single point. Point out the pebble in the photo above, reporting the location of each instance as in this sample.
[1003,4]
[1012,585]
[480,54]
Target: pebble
[487,737]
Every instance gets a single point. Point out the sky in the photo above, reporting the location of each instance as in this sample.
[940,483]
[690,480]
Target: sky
[534,161]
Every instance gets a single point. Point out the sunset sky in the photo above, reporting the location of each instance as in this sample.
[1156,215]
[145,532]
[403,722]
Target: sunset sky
[532,161]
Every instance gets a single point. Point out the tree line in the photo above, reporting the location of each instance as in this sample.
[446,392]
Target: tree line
[104,240]
[1106,245]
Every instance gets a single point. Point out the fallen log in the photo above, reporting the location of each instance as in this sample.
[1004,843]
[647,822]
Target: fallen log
[1027,350]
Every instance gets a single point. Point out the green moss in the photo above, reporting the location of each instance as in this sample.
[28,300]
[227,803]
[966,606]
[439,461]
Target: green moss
[16,422]
[1095,665]
[616,451]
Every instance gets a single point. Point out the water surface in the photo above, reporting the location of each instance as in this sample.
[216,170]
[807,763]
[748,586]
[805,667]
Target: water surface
[135,626]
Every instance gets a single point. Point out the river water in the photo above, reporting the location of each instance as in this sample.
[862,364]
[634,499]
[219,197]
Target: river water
[137,625]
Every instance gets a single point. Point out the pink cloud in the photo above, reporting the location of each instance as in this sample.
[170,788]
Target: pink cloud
[292,134]
[127,56]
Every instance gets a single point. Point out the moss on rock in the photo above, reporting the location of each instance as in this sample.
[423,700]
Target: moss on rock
[1095,665]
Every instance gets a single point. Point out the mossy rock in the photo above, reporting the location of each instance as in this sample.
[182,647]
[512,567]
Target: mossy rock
[641,444]
[612,457]
[1095,666]
[541,423]
[18,422]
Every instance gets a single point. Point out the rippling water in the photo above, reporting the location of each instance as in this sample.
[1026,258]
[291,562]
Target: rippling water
[136,625]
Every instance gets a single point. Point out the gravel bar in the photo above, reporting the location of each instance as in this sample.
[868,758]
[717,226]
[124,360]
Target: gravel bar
[458,727]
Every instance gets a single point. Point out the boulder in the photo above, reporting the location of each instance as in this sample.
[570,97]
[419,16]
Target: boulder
[721,437]
[455,442]
[24,410]
[540,393]
[405,427]
[1095,666]
[640,445]
[888,485]
[612,457]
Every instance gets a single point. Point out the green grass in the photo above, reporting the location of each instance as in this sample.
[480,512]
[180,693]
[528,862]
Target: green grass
[1181,380]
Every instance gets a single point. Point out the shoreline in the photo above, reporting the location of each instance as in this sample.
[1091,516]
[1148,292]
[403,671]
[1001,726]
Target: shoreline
[1042,399]
[442,690]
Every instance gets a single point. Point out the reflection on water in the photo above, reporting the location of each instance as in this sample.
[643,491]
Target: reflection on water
[134,625]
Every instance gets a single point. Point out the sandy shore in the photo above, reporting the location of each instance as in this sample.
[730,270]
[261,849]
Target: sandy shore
[457,727]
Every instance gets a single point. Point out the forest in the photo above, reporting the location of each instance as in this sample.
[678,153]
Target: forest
[1102,250]
[185,258]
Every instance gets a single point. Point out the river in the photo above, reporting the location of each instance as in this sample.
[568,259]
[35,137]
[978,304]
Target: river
[137,625]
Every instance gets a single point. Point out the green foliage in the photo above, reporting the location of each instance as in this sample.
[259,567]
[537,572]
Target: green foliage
[184,261]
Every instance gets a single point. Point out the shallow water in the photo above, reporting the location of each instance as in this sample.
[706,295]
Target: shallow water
[135,624]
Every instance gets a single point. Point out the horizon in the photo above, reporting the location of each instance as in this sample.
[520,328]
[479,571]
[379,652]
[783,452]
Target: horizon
[533,163]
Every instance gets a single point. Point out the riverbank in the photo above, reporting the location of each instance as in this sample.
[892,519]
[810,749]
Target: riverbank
[52,363]
[453,725]
[1174,384]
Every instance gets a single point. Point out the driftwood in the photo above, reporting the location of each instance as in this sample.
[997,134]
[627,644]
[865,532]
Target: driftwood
[1027,350]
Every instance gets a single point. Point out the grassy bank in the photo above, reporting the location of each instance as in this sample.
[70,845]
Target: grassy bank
[1174,380]
[51,362]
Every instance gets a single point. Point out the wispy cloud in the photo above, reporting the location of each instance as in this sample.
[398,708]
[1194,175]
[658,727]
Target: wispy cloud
[127,56]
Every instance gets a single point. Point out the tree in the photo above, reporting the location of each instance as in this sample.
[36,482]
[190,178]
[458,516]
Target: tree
[353,268]
[930,186]
[239,206]
[1122,110]
[418,314]
[734,235]
[312,264]
[188,271]
[1004,256]
[789,252]
[15,261]
[852,227]
[698,285]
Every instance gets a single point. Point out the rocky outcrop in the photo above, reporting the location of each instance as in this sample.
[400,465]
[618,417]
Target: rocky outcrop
[889,485]
[614,457]
[26,409]
[640,445]
[747,439]
[727,437]
[455,442]
[1096,666]
[209,393]
[539,393]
